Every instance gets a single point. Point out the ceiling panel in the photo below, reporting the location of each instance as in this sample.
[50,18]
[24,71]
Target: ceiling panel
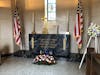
[34,4]
[66,3]
[5,3]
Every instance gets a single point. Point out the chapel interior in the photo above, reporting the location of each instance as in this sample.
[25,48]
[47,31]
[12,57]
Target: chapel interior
[49,37]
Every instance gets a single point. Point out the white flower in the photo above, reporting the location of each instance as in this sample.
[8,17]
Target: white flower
[93,30]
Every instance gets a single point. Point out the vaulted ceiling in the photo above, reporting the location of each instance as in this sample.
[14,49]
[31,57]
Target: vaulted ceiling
[39,4]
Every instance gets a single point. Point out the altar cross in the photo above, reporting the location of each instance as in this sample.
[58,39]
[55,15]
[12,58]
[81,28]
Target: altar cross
[45,28]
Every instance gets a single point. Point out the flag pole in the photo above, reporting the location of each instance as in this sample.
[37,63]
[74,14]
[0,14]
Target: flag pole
[33,32]
[15,3]
[20,45]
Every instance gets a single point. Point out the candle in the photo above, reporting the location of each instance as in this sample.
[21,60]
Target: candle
[32,42]
[64,43]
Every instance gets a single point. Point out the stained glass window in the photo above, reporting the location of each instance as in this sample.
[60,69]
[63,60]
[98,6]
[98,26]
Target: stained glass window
[51,9]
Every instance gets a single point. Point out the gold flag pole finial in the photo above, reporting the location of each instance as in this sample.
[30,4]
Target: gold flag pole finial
[45,29]
[15,3]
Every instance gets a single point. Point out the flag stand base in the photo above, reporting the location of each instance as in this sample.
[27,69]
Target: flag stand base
[85,51]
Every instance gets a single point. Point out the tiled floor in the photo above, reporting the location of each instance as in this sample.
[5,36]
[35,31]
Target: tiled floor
[24,66]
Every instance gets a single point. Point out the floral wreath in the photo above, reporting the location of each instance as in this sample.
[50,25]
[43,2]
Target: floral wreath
[94,30]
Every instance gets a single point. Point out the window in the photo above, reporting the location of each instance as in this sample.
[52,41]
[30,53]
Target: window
[51,9]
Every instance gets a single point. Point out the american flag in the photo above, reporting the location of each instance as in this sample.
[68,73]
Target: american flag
[78,29]
[17,27]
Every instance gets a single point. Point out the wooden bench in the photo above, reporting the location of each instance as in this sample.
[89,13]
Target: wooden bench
[92,62]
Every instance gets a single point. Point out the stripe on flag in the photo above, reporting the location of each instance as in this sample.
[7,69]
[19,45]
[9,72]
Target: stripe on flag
[17,28]
[78,29]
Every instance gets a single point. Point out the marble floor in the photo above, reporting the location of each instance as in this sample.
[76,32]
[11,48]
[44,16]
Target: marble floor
[24,66]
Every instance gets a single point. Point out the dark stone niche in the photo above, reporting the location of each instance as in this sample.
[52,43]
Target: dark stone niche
[50,44]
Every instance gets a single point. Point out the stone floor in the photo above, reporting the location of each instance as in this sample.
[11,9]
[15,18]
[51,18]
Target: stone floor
[24,66]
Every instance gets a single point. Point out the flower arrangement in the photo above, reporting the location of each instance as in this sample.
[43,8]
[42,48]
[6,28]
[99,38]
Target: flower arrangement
[94,30]
[44,59]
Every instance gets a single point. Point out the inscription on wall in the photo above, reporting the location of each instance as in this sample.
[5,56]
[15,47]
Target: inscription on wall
[50,43]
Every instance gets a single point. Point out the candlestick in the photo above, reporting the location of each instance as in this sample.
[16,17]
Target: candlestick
[45,29]
[33,22]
